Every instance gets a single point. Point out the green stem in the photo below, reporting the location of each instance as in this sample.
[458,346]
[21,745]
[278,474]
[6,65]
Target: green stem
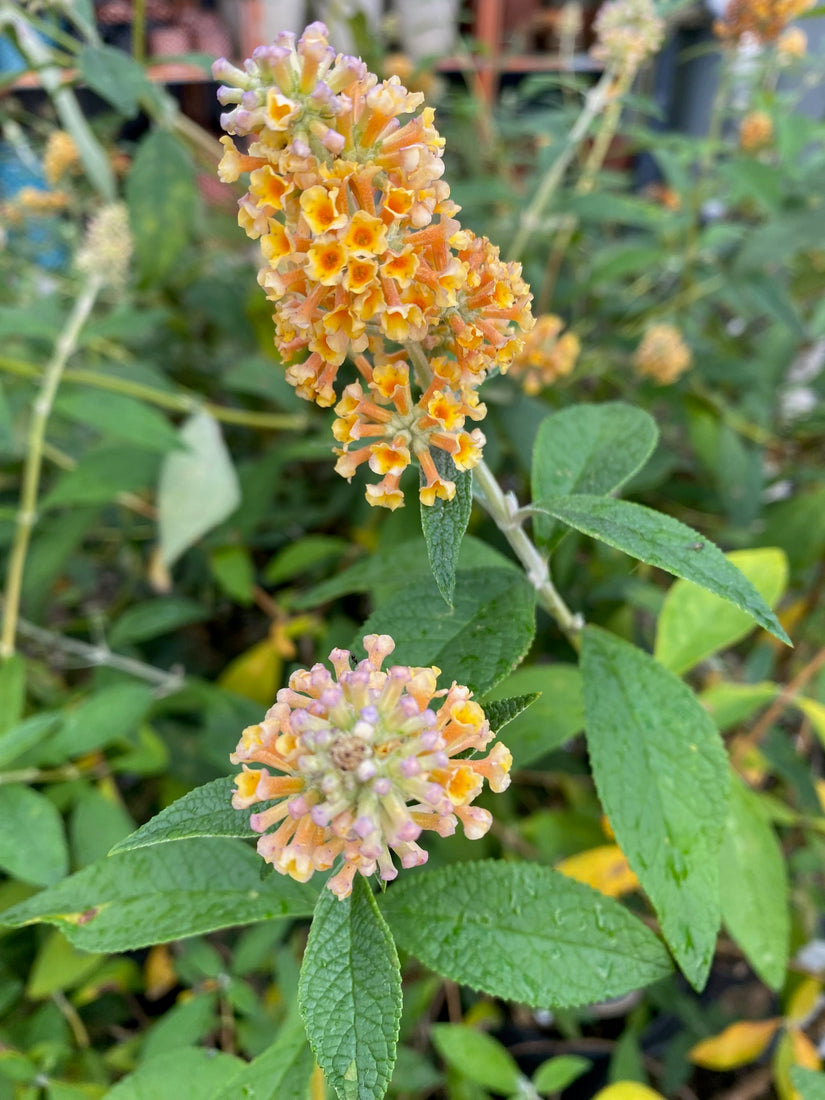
[594,104]
[27,512]
[176,402]
[139,30]
[504,511]
[593,165]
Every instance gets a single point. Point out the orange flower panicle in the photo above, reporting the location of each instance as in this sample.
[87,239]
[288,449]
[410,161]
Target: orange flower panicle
[361,249]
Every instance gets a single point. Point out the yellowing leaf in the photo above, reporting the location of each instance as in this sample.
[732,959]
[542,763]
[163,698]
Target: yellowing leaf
[256,673]
[159,972]
[737,1045]
[605,869]
[815,713]
[804,1052]
[628,1090]
[819,784]
[803,1000]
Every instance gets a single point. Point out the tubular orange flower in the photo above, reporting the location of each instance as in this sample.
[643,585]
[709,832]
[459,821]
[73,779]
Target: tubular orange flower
[362,762]
[359,239]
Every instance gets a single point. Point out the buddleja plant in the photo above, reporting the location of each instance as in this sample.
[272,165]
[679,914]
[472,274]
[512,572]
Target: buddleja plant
[368,267]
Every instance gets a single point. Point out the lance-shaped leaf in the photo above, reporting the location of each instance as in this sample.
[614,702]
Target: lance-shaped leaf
[205,811]
[522,932]
[477,641]
[350,994]
[589,449]
[163,893]
[444,522]
[500,712]
[662,776]
[754,881]
[662,541]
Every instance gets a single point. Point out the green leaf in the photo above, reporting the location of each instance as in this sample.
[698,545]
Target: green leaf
[32,842]
[19,739]
[555,717]
[205,811]
[556,1074]
[662,777]
[163,893]
[119,417]
[589,449]
[198,487]
[154,617]
[98,822]
[502,711]
[114,75]
[102,719]
[188,1072]
[811,1085]
[163,201]
[183,1025]
[477,641]
[694,624]
[730,704]
[233,569]
[350,993]
[477,1056]
[754,888]
[522,932]
[666,543]
[300,556]
[59,966]
[12,693]
[281,1072]
[103,474]
[444,523]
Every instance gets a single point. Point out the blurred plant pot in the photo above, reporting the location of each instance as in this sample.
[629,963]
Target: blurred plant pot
[256,22]
[427,28]
[337,14]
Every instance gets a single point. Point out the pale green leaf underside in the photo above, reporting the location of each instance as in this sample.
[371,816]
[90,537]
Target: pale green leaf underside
[694,624]
[350,994]
[662,777]
[754,881]
[444,522]
[205,811]
[477,641]
[589,449]
[522,932]
[164,893]
[662,541]
[811,1085]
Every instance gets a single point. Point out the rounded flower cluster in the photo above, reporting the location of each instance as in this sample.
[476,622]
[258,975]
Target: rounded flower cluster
[755,131]
[761,20]
[362,762]
[628,32]
[358,235]
[662,355]
[547,355]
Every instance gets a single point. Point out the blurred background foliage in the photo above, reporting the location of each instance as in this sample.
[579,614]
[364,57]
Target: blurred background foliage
[192,544]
